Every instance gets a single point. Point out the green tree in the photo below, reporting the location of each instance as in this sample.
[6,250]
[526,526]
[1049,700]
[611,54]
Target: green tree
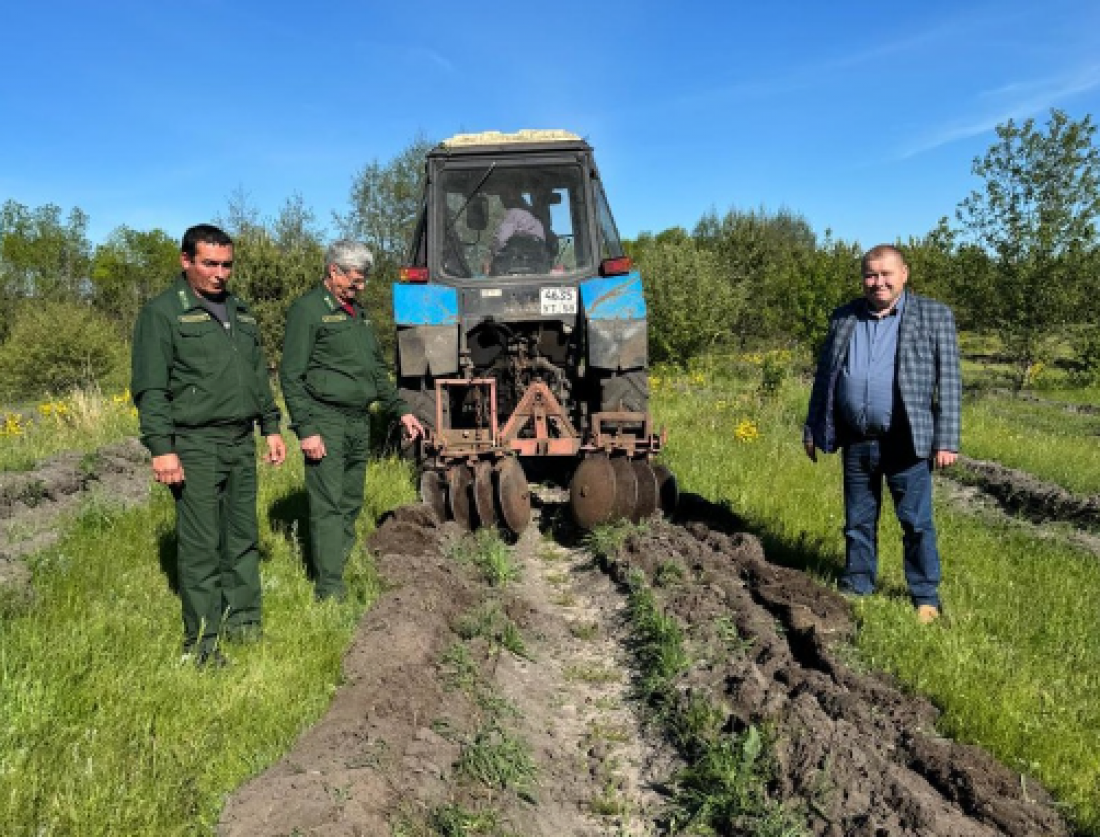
[128,269]
[1035,215]
[827,278]
[274,262]
[385,203]
[762,255]
[692,307]
[43,256]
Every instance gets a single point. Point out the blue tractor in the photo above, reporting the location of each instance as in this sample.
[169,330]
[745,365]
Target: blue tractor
[521,337]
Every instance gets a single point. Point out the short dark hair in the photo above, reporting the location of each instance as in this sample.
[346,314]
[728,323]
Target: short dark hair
[879,251]
[204,234]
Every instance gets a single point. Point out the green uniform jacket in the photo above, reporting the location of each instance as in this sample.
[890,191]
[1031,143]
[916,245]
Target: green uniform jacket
[332,357]
[190,372]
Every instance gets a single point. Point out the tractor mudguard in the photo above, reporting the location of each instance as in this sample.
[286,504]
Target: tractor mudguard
[615,313]
[427,321]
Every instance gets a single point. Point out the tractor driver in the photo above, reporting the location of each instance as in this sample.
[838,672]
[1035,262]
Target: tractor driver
[518,220]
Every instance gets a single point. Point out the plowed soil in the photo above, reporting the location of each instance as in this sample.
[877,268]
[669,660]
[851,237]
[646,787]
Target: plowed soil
[1020,493]
[853,753]
[34,503]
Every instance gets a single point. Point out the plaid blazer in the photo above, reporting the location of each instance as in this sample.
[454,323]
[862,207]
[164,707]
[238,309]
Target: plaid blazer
[926,375]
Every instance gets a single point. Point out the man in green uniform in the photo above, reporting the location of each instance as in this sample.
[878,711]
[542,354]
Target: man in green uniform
[332,370]
[200,383]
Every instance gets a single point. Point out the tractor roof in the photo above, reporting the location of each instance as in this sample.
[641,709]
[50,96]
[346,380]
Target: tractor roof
[527,139]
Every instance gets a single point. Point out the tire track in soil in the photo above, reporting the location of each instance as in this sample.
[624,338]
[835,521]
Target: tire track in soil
[579,681]
[854,754]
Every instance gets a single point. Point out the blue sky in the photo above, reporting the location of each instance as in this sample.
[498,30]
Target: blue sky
[863,118]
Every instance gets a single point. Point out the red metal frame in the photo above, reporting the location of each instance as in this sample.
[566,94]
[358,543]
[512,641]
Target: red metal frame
[539,409]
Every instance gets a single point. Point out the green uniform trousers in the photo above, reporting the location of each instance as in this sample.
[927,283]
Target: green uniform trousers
[334,485]
[218,556]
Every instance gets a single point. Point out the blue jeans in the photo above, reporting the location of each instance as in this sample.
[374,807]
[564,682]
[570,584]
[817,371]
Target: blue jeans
[910,482]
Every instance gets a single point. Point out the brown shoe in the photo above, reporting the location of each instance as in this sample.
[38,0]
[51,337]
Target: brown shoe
[927,614]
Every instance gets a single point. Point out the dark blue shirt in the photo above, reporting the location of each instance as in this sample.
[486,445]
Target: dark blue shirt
[865,390]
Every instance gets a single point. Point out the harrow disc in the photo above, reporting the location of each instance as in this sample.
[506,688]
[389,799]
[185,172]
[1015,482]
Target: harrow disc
[648,491]
[626,489]
[592,492]
[667,489]
[513,494]
[458,495]
[434,493]
[483,493]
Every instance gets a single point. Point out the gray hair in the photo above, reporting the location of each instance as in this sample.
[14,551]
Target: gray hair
[349,255]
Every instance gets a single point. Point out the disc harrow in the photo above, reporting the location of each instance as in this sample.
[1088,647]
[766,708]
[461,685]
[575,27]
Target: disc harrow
[480,494]
[611,488]
[604,489]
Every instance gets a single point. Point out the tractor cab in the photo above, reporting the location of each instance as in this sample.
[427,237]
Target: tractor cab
[513,206]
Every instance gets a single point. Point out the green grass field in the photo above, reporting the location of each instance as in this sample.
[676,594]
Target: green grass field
[1047,441]
[84,420]
[1015,665]
[104,733]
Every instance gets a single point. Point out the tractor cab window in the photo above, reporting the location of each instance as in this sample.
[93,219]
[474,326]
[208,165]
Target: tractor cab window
[502,220]
[611,247]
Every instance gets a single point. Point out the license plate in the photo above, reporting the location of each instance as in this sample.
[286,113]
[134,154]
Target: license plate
[558,301]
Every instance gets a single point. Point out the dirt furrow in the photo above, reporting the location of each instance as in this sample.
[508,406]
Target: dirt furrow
[848,753]
[853,752]
[1020,493]
[389,756]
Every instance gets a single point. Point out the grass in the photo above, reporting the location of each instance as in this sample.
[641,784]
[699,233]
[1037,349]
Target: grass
[492,624]
[489,553]
[1042,439]
[492,756]
[607,539]
[83,421]
[498,759]
[1022,613]
[104,732]
[591,673]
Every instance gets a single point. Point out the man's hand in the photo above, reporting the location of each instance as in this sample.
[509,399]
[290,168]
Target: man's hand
[276,450]
[945,458]
[167,469]
[412,426]
[811,449]
[313,447]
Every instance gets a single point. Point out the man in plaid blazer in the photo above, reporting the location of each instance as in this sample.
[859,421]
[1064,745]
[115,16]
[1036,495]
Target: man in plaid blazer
[888,393]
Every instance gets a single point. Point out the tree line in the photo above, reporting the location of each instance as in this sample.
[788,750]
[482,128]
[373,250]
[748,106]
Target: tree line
[1018,260]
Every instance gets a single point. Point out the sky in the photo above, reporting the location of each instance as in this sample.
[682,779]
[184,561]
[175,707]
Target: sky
[864,118]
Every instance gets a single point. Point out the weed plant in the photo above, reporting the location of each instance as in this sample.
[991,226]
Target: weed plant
[724,788]
[489,553]
[606,540]
[491,623]
[84,420]
[104,732]
[498,759]
[1022,613]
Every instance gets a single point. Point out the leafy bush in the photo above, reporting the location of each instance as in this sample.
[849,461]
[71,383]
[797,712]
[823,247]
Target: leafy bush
[1088,356]
[60,346]
[692,306]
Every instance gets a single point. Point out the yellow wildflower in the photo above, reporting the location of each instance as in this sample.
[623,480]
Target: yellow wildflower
[12,425]
[746,431]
